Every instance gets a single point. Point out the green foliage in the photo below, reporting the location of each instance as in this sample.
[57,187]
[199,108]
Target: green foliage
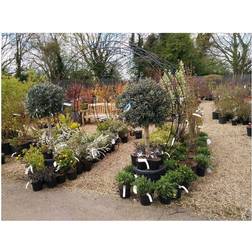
[187,175]
[143,185]
[128,168]
[66,159]
[160,135]
[201,141]
[125,178]
[114,126]
[203,150]
[13,95]
[149,103]
[171,164]
[34,157]
[165,188]
[179,152]
[203,134]
[174,177]
[44,100]
[202,160]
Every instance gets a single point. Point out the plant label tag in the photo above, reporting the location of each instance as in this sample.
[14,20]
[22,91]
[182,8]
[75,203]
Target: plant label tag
[124,191]
[149,196]
[144,160]
[113,141]
[184,188]
[209,141]
[173,140]
[134,189]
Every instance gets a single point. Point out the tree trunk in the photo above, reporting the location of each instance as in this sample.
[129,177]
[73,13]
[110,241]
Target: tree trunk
[147,137]
[50,131]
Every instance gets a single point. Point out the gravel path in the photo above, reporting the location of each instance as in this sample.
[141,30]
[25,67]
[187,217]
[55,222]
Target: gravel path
[226,192]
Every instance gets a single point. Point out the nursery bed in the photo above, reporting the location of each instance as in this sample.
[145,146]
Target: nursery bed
[226,193]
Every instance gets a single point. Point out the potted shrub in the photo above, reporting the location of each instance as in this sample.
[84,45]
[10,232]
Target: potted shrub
[171,164]
[222,118]
[175,177]
[138,133]
[124,179]
[249,129]
[203,150]
[34,160]
[166,190]
[123,134]
[50,177]
[145,189]
[187,175]
[215,115]
[144,103]
[202,164]
[66,163]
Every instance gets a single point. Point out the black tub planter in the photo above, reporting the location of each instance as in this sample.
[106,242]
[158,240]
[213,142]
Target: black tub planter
[164,200]
[37,185]
[138,134]
[154,163]
[124,191]
[215,115]
[48,155]
[200,171]
[51,182]
[145,200]
[245,122]
[124,139]
[61,178]
[154,175]
[222,119]
[79,168]
[72,174]
[249,130]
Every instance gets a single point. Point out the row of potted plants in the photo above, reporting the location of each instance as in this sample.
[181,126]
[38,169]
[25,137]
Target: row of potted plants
[167,188]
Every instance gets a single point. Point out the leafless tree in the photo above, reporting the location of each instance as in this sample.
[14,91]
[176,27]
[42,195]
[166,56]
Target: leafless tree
[234,49]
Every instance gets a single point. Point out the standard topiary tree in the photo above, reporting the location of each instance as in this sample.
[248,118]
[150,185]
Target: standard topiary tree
[44,100]
[145,103]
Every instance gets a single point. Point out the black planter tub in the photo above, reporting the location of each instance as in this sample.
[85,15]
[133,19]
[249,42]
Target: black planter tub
[153,163]
[215,115]
[127,191]
[144,200]
[154,175]
[138,134]
[222,119]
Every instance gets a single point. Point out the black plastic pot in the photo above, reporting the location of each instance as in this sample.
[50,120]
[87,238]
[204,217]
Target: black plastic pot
[222,119]
[127,191]
[6,148]
[215,115]
[245,122]
[153,175]
[51,182]
[178,194]
[72,174]
[249,131]
[37,186]
[48,162]
[200,171]
[3,158]
[87,165]
[164,200]
[61,178]
[133,160]
[79,167]
[138,134]
[234,122]
[153,163]
[124,139]
[144,200]
[48,155]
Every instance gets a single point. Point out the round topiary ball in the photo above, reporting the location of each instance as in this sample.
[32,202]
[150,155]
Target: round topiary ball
[144,103]
[44,100]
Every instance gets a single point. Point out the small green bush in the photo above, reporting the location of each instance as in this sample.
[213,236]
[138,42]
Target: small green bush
[144,185]
[171,164]
[66,159]
[201,142]
[160,135]
[174,177]
[128,168]
[165,188]
[188,176]
[202,160]
[114,126]
[34,157]
[180,152]
[203,150]
[203,134]
[125,178]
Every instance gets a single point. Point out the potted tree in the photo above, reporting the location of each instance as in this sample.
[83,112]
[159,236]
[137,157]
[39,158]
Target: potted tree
[34,160]
[44,101]
[145,189]
[144,103]
[124,179]
[202,164]
[166,190]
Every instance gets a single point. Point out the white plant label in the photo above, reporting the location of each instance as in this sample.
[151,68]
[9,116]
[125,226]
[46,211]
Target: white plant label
[13,154]
[135,176]
[144,160]
[77,159]
[149,196]
[134,189]
[184,188]
[27,184]
[209,141]
[54,163]
[113,141]
[173,140]
[124,191]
